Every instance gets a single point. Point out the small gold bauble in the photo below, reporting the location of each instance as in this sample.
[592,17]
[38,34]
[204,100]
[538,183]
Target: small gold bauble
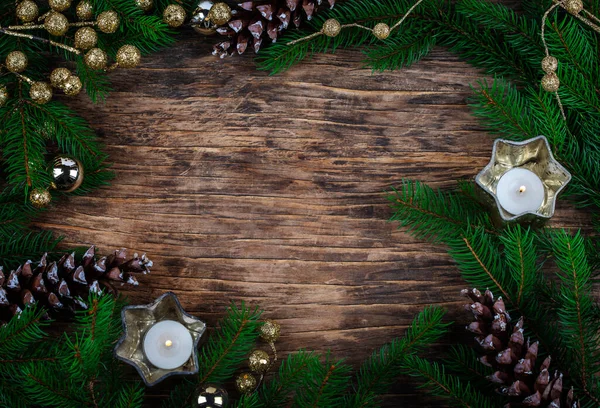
[144,5]
[550,82]
[220,13]
[573,6]
[84,10]
[270,331]
[3,95]
[59,5]
[27,11]
[245,383]
[39,197]
[56,24]
[174,15]
[381,31]
[86,38]
[16,61]
[96,58]
[549,64]
[59,76]
[108,22]
[331,27]
[128,56]
[40,92]
[72,86]
[67,173]
[259,361]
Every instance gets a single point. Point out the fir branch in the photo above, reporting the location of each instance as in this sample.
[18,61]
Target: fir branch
[325,385]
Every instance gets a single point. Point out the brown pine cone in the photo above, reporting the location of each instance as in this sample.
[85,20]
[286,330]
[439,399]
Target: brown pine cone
[256,21]
[504,348]
[63,287]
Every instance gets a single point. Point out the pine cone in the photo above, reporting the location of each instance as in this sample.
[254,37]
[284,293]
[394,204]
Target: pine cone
[514,360]
[63,287]
[255,21]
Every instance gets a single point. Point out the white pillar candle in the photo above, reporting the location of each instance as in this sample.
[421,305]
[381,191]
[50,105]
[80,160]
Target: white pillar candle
[168,344]
[519,191]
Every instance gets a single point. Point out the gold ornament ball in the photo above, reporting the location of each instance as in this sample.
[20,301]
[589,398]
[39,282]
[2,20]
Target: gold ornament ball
[108,22]
[270,331]
[220,13]
[40,92]
[245,383]
[128,56]
[200,20]
[331,27]
[72,86]
[59,5]
[574,6]
[550,82]
[549,64]
[40,198]
[16,61]
[86,38]
[84,10]
[67,173]
[56,24]
[259,361]
[27,11]
[144,5]
[381,31]
[96,58]
[59,76]
[174,15]
[3,95]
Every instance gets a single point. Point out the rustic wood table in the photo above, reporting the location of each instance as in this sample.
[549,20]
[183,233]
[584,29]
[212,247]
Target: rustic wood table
[270,189]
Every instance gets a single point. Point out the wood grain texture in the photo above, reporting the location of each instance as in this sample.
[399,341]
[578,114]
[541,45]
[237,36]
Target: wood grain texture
[243,186]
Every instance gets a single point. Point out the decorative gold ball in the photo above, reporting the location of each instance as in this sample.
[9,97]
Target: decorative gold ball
[67,173]
[3,95]
[108,22]
[72,86]
[549,64]
[86,38]
[259,361]
[96,58]
[59,5]
[128,56]
[84,10]
[550,82]
[381,31]
[16,61]
[174,15]
[27,11]
[270,331]
[144,5]
[39,197]
[245,383]
[56,24]
[40,92]
[59,76]
[574,6]
[331,27]
[220,13]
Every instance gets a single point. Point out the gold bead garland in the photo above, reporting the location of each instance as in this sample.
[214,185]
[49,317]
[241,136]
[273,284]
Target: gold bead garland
[549,64]
[56,24]
[72,86]
[550,82]
[573,6]
[144,5]
[331,27]
[40,198]
[84,10]
[27,11]
[40,92]
[128,56]
[245,383]
[174,15]
[3,95]
[86,38]
[259,361]
[381,31]
[108,22]
[16,61]
[59,76]
[220,13]
[96,59]
[270,331]
[59,5]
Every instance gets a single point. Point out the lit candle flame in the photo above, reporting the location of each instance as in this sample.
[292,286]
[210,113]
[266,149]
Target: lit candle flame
[522,189]
[168,343]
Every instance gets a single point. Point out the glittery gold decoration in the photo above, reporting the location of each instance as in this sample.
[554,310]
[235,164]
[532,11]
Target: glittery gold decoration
[128,56]
[331,27]
[270,331]
[550,82]
[145,5]
[220,13]
[59,5]
[86,38]
[549,64]
[259,361]
[96,59]
[174,15]
[108,22]
[59,76]
[573,6]
[84,10]
[40,92]
[67,173]
[40,198]
[245,383]
[72,86]
[16,61]
[3,95]
[27,11]
[56,24]
[381,31]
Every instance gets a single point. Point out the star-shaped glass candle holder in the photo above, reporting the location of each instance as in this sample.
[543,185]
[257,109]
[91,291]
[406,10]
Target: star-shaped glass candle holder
[534,155]
[137,320]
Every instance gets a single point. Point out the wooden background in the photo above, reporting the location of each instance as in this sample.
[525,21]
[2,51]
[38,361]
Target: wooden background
[242,186]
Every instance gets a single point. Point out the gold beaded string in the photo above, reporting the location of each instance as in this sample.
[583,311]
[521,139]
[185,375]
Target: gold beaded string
[550,81]
[10,31]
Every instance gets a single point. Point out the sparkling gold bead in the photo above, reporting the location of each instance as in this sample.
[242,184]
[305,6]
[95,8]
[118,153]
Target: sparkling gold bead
[59,5]
[86,38]
[574,6]
[128,56]
[96,58]
[270,331]
[220,13]
[40,92]
[84,10]
[3,95]
[56,24]
[40,198]
[549,64]
[259,361]
[381,31]
[16,61]
[174,15]
[72,86]
[144,5]
[331,27]
[550,82]
[245,383]
[27,11]
[59,76]
[108,22]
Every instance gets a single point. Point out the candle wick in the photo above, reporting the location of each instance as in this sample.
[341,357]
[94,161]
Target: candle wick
[522,189]
[168,343]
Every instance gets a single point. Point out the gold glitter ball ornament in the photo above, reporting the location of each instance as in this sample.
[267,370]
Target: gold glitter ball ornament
[574,6]
[220,13]
[3,95]
[86,38]
[59,5]
[84,10]
[40,198]
[59,76]
[174,15]
[67,173]
[144,5]
[270,331]
[245,383]
[40,92]
[331,27]
[96,58]
[259,361]
[549,64]
[16,61]
[550,82]
[72,86]
[108,22]
[27,11]
[128,56]
[56,24]
[381,31]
